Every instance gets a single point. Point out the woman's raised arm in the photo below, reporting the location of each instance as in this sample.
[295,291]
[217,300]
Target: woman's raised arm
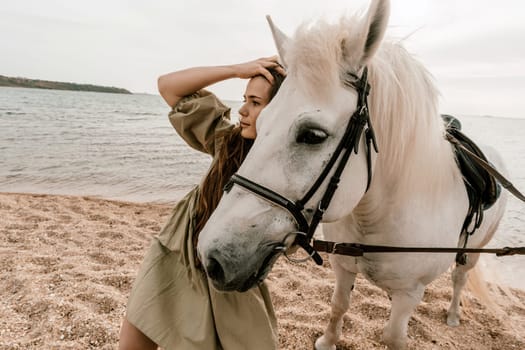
[174,86]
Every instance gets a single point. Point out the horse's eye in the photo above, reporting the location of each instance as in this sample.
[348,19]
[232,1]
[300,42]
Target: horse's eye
[311,136]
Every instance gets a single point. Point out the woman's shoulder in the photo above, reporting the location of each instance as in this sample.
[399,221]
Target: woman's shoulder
[203,98]
[199,119]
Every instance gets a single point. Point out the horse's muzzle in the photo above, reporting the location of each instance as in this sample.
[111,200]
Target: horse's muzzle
[235,272]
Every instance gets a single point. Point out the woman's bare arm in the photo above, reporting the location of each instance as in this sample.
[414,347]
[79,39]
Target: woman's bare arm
[174,86]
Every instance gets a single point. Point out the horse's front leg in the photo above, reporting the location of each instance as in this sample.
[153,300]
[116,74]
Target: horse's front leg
[403,305]
[345,273]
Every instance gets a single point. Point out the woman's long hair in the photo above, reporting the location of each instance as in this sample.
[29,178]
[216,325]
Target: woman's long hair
[233,150]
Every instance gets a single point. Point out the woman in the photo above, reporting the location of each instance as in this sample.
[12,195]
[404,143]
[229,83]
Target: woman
[171,303]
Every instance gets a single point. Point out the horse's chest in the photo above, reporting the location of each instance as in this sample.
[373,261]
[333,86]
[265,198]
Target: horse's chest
[378,270]
[401,271]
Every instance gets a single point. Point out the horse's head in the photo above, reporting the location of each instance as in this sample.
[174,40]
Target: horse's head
[298,134]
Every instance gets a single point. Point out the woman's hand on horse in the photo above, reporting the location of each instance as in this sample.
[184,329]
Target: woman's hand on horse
[259,66]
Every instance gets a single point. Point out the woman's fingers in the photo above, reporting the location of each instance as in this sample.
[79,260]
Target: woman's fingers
[260,66]
[276,65]
[266,73]
[272,62]
[274,59]
[280,69]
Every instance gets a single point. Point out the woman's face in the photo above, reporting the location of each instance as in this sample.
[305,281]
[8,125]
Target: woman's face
[256,97]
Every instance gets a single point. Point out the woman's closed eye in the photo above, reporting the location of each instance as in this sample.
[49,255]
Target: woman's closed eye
[254,102]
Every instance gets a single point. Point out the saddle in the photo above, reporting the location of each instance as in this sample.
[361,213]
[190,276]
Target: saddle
[482,188]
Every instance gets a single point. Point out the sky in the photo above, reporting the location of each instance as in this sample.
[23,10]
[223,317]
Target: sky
[475,49]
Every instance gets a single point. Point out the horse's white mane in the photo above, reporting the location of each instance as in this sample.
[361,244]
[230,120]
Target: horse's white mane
[404,111]
[317,54]
[403,99]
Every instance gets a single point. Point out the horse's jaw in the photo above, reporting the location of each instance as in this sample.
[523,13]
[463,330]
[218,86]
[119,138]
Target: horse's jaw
[242,240]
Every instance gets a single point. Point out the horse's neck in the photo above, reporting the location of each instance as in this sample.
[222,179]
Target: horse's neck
[415,171]
[424,166]
[413,154]
[425,173]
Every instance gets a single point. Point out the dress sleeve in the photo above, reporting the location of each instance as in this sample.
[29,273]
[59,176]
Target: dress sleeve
[199,118]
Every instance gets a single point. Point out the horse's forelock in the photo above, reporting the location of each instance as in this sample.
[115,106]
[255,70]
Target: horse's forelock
[317,56]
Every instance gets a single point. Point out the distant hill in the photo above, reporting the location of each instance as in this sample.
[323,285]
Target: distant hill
[56,85]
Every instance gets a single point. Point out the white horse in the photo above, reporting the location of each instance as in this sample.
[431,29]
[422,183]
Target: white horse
[416,197]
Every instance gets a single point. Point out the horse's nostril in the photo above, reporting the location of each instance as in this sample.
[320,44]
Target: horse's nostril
[214,270]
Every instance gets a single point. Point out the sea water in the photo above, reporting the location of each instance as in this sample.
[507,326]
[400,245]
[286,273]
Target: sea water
[123,147]
[86,143]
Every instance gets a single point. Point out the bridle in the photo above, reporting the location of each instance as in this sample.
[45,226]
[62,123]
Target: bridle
[349,143]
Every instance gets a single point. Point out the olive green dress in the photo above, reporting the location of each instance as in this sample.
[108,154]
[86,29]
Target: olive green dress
[171,300]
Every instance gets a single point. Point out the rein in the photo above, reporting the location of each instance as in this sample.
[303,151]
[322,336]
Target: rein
[348,144]
[358,249]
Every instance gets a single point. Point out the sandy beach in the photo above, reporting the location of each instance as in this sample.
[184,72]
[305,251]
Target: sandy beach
[67,265]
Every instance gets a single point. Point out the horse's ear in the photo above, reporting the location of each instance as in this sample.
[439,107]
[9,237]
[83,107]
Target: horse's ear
[280,39]
[375,28]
